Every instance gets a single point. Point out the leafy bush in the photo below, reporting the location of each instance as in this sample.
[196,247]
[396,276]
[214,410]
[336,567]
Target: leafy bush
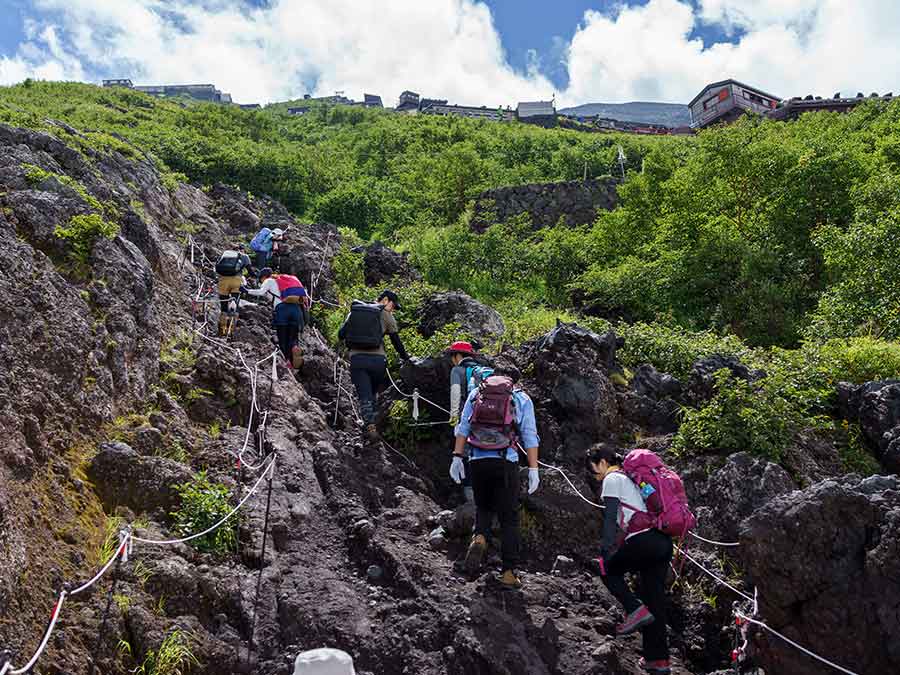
[739,417]
[82,232]
[670,349]
[204,503]
[348,267]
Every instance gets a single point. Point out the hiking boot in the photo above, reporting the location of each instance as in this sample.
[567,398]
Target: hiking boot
[296,356]
[657,667]
[475,554]
[635,621]
[372,432]
[508,580]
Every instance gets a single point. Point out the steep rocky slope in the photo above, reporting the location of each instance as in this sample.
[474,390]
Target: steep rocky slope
[108,399]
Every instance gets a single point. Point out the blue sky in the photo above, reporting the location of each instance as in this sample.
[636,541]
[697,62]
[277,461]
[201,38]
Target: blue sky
[490,52]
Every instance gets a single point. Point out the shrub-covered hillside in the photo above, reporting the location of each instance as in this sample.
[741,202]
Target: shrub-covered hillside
[773,241]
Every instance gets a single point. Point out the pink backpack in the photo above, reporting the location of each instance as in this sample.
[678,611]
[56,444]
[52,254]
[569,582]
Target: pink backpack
[493,421]
[663,493]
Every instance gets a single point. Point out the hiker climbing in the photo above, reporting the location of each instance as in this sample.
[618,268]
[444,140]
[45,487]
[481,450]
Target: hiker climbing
[289,298]
[263,244]
[645,506]
[496,418]
[467,374]
[363,332]
[231,267]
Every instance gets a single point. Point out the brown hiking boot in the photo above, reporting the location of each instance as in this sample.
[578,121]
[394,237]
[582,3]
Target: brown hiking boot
[509,580]
[475,554]
[296,356]
[372,432]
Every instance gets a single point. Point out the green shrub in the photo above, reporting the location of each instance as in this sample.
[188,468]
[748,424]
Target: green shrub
[740,416]
[204,503]
[672,349]
[348,267]
[82,232]
[174,656]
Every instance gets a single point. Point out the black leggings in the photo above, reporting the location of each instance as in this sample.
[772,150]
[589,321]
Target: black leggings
[649,554]
[495,483]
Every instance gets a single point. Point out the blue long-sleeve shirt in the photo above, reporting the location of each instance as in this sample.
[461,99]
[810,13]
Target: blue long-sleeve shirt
[526,426]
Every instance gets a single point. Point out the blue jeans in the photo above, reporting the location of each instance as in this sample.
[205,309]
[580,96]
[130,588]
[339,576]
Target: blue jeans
[287,321]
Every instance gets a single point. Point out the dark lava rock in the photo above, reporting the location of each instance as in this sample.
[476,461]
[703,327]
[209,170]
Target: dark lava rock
[382,264]
[826,561]
[123,477]
[723,497]
[575,400]
[701,383]
[475,319]
[876,405]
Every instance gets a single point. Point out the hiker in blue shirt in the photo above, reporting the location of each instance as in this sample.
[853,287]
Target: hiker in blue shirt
[262,245]
[498,415]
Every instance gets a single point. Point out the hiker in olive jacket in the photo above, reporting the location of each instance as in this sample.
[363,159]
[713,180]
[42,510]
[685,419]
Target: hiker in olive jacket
[363,332]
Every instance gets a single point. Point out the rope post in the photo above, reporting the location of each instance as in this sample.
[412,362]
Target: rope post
[415,410]
[262,561]
[122,552]
[239,491]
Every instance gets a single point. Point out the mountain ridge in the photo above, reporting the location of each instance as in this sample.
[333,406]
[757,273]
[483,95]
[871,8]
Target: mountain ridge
[670,114]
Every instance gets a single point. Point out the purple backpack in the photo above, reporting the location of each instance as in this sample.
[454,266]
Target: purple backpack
[493,421]
[663,492]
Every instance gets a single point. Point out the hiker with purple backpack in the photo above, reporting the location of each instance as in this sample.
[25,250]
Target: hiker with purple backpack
[645,506]
[496,418]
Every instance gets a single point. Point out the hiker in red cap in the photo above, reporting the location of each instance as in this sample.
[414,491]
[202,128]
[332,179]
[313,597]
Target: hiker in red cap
[466,375]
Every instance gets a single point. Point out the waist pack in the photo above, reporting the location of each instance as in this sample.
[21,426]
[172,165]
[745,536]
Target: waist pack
[230,264]
[493,421]
[291,289]
[663,493]
[362,329]
[261,241]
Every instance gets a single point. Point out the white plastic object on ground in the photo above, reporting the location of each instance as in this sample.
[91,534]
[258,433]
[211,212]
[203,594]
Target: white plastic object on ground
[324,661]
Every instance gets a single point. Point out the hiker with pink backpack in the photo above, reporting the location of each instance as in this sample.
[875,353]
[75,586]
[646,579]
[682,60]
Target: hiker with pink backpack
[496,418]
[645,506]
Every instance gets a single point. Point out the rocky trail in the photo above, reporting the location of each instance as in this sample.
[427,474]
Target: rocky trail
[109,396]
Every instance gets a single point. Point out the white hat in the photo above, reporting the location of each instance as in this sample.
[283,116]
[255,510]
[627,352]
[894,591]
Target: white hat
[277,232]
[325,661]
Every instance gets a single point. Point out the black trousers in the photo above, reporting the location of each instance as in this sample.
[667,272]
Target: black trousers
[495,483]
[368,373]
[649,554]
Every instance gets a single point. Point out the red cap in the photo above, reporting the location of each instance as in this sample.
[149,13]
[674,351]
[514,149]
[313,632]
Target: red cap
[461,348]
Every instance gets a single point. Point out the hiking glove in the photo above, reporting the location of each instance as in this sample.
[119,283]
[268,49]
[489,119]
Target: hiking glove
[534,479]
[457,469]
[454,420]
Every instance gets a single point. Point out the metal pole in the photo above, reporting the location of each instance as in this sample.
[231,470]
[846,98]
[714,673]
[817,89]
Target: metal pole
[262,564]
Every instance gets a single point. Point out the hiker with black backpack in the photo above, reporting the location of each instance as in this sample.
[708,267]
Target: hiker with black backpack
[230,268]
[496,419]
[363,333]
[288,297]
[645,506]
[465,376]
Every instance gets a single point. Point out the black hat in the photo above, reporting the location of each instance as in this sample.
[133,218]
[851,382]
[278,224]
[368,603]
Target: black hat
[390,295]
[264,272]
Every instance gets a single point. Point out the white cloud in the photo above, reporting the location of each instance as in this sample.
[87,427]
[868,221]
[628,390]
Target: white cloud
[799,47]
[451,48]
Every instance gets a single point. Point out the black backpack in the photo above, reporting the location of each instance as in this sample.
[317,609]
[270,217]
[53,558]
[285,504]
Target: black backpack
[362,328]
[231,264]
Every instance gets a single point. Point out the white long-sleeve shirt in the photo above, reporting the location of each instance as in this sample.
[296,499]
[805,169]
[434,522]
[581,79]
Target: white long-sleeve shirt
[269,288]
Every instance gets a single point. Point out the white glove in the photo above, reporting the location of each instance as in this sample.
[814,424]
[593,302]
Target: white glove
[534,479]
[457,469]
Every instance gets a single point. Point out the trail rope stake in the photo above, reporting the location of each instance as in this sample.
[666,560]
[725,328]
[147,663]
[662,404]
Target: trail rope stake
[415,410]
[262,561]
[121,554]
[40,650]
